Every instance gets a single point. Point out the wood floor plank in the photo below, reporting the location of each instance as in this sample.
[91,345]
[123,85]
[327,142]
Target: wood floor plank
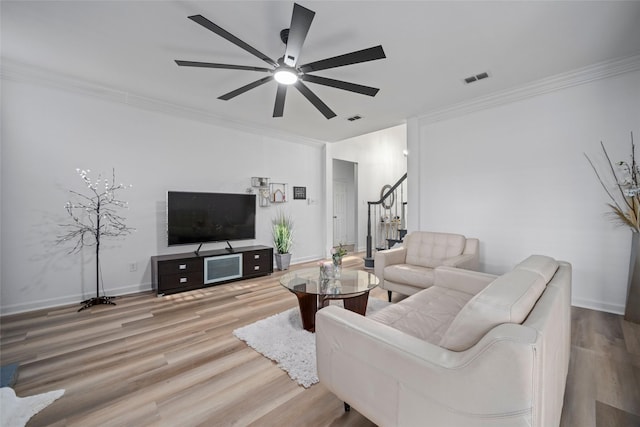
[609,416]
[631,333]
[172,360]
[259,400]
[580,391]
[201,404]
[614,383]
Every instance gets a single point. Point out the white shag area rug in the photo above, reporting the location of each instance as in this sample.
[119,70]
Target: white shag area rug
[282,339]
[16,411]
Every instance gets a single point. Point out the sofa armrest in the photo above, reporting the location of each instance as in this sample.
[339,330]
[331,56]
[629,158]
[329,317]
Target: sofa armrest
[466,261]
[458,279]
[472,246]
[360,360]
[388,257]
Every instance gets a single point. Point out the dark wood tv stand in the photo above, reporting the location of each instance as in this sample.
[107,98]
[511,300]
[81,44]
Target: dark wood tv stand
[175,273]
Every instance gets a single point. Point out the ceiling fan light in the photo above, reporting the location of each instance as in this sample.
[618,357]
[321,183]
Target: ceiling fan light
[286,76]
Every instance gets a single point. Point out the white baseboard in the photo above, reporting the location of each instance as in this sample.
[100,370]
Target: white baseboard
[598,305]
[69,299]
[301,260]
[143,287]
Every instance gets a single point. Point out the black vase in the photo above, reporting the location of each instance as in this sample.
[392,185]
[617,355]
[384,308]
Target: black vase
[632,307]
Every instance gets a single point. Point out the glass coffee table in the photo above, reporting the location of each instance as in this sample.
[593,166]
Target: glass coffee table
[314,291]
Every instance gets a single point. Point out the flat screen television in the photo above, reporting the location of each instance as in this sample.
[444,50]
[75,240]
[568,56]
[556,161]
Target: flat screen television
[210,217]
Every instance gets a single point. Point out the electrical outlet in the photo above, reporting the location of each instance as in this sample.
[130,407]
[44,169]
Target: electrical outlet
[133,266]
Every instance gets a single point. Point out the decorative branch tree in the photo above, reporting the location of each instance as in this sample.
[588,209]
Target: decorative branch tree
[625,207]
[625,202]
[93,218]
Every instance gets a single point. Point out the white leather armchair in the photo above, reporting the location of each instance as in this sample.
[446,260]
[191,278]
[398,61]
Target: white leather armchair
[409,268]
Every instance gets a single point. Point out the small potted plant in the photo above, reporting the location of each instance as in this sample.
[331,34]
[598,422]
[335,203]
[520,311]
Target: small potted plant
[282,239]
[337,253]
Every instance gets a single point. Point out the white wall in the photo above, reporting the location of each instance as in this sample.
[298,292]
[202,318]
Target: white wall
[380,160]
[48,133]
[515,176]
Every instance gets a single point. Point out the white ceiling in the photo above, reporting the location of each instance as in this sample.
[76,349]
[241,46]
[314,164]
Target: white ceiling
[130,46]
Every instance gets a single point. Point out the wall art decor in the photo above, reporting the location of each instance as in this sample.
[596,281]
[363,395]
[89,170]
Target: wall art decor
[299,193]
[278,193]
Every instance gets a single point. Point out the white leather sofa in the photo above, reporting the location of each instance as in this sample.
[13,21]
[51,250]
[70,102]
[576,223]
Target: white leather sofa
[472,350]
[408,269]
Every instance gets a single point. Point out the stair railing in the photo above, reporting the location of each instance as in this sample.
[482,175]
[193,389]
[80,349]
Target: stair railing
[382,212]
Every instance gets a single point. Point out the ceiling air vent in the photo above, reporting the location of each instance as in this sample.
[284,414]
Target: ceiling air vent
[354,118]
[477,77]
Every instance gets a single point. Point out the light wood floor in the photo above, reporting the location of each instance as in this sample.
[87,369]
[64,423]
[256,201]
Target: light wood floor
[173,361]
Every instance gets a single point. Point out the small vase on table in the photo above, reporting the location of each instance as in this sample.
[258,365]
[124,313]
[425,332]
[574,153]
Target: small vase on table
[337,267]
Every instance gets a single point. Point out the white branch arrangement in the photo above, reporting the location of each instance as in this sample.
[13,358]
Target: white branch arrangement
[93,217]
[625,200]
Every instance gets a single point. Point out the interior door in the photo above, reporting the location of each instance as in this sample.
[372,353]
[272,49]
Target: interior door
[339,212]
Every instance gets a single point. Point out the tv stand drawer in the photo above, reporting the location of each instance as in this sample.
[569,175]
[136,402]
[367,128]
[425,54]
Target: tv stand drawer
[257,262]
[180,282]
[182,266]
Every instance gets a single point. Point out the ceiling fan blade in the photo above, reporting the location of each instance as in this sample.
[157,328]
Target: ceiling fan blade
[225,66]
[243,89]
[364,55]
[230,37]
[321,106]
[339,84]
[300,23]
[278,108]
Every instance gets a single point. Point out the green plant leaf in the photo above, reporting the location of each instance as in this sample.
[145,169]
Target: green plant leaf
[282,232]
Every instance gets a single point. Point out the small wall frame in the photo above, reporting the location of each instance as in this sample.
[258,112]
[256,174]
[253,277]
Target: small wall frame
[278,193]
[259,181]
[264,197]
[299,193]
[264,194]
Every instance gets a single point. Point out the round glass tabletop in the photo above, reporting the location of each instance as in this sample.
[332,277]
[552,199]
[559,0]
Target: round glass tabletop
[309,281]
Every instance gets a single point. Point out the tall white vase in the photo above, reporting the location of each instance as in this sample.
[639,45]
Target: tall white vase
[632,307]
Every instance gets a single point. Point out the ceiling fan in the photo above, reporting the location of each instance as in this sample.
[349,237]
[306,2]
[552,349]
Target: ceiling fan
[286,70]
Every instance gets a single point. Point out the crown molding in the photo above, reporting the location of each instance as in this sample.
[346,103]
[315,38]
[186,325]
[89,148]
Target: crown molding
[577,77]
[23,73]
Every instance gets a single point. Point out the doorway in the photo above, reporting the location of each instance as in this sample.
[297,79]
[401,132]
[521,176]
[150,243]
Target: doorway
[345,196]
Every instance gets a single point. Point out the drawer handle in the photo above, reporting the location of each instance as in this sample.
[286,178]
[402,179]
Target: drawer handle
[183,280]
[183,266]
[256,257]
[257,267]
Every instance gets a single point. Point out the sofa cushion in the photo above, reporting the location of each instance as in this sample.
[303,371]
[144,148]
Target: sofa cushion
[508,299]
[429,249]
[425,315]
[409,274]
